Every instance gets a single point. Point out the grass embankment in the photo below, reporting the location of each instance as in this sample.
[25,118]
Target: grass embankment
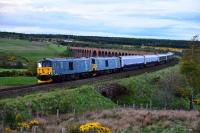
[145,89]
[78,100]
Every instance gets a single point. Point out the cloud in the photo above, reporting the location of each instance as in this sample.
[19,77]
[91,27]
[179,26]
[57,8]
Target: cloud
[174,19]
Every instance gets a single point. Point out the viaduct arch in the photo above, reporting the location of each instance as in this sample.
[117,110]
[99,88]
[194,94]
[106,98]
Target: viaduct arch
[98,52]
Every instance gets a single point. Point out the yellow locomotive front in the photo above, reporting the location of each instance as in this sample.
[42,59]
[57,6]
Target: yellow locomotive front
[44,72]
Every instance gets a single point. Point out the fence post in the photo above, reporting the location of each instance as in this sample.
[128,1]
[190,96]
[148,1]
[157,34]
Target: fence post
[146,106]
[133,105]
[21,130]
[34,129]
[150,104]
[57,113]
[63,130]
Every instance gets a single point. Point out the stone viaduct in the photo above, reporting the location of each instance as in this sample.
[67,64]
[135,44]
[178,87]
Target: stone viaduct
[93,52]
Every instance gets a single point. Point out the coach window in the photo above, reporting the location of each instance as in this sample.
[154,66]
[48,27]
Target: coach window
[61,65]
[71,66]
[106,63]
[57,65]
[93,61]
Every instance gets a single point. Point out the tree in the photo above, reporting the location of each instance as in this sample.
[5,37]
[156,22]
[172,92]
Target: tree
[168,86]
[191,68]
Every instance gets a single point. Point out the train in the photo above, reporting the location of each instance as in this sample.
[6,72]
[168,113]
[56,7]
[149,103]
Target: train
[65,69]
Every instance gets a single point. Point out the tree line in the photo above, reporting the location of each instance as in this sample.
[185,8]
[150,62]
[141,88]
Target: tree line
[100,40]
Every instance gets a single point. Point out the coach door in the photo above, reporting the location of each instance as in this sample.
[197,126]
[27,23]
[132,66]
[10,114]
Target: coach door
[94,67]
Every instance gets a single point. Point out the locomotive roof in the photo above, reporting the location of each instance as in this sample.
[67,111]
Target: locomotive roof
[63,59]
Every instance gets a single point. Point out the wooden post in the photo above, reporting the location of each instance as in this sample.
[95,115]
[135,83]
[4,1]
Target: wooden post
[21,130]
[57,113]
[63,130]
[34,129]
[133,105]
[150,104]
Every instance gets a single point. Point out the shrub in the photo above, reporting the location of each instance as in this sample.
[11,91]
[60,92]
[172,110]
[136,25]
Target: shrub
[32,68]
[183,92]
[15,73]
[180,103]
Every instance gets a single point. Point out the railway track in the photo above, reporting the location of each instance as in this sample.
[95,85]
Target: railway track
[22,90]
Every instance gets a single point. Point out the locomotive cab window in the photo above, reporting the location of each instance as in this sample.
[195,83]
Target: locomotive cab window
[71,66]
[93,61]
[106,63]
[46,64]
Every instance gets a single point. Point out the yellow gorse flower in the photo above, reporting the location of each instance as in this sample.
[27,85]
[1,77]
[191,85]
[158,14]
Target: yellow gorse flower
[24,125]
[197,101]
[27,125]
[34,123]
[92,126]
[6,130]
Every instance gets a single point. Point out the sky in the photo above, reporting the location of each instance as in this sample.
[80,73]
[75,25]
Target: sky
[162,19]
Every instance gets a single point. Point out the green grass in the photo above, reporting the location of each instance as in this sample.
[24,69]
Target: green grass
[30,50]
[174,126]
[13,69]
[78,100]
[144,90]
[17,81]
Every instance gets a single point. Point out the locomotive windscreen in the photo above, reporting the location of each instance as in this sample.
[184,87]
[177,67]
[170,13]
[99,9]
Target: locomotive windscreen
[44,64]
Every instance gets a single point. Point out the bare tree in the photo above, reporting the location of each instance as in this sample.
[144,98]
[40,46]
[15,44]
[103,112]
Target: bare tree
[167,87]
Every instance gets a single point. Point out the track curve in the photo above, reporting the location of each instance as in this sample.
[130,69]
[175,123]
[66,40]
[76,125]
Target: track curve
[21,90]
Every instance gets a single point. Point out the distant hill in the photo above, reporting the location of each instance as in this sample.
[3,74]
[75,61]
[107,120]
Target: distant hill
[98,39]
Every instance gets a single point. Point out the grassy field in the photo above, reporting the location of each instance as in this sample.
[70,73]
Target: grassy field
[30,50]
[13,69]
[16,81]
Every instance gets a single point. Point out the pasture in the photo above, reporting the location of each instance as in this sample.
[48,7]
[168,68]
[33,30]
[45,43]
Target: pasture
[28,50]
[16,81]
[25,51]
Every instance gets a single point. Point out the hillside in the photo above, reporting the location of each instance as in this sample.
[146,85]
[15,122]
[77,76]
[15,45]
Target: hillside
[30,50]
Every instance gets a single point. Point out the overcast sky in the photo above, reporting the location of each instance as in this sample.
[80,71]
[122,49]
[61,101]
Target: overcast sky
[167,19]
